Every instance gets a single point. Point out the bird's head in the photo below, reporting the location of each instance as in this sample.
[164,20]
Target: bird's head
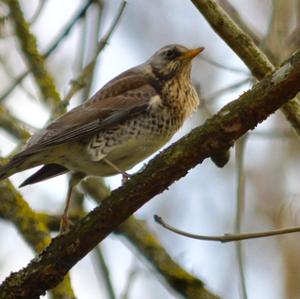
[173,60]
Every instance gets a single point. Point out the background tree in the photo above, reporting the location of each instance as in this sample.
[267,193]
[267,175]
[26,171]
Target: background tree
[54,55]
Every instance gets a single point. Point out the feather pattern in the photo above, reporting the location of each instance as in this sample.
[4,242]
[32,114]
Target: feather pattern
[127,120]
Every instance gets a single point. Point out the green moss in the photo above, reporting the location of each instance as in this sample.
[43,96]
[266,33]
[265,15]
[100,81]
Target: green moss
[34,59]
[13,207]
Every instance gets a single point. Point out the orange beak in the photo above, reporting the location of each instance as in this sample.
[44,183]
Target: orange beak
[190,54]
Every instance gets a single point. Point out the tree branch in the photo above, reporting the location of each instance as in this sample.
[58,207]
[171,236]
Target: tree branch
[81,80]
[64,33]
[105,273]
[187,285]
[217,134]
[33,57]
[228,237]
[12,125]
[32,228]
[136,232]
[241,43]
[139,236]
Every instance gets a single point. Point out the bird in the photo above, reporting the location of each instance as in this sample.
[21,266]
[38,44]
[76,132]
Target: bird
[126,121]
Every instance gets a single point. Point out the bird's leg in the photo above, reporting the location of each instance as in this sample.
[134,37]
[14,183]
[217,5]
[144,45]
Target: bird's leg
[125,175]
[64,221]
[74,180]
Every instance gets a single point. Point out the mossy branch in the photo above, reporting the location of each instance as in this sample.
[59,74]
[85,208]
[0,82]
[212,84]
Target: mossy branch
[14,208]
[217,134]
[138,234]
[12,125]
[242,44]
[184,283]
[33,57]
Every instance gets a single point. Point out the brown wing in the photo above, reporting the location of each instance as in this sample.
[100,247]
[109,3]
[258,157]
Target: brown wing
[122,98]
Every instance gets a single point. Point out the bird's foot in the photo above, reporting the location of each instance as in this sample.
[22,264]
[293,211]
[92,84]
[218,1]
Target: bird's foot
[65,224]
[125,177]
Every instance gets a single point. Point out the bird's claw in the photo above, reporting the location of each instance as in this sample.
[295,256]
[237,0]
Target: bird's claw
[125,177]
[65,224]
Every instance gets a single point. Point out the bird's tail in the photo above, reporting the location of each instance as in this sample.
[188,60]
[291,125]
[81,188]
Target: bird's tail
[16,164]
[48,171]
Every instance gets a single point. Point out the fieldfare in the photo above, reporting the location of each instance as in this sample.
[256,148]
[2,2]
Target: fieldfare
[126,121]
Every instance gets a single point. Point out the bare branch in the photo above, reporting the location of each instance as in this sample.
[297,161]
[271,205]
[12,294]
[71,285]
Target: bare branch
[240,203]
[130,280]
[228,88]
[40,7]
[228,237]
[64,32]
[101,264]
[81,80]
[139,236]
[222,66]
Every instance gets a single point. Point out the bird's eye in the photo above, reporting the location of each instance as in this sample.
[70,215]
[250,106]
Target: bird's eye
[171,54]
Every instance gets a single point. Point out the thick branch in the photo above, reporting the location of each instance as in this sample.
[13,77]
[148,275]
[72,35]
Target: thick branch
[33,230]
[239,41]
[240,21]
[136,232]
[245,48]
[217,134]
[139,236]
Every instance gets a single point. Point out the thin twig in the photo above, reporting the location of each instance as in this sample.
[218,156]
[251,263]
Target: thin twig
[102,266]
[11,76]
[228,88]
[80,81]
[293,39]
[63,33]
[246,49]
[16,82]
[38,11]
[137,233]
[240,202]
[228,237]
[130,280]
[93,49]
[222,66]
[263,42]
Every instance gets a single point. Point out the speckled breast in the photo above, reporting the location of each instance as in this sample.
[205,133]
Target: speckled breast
[136,139]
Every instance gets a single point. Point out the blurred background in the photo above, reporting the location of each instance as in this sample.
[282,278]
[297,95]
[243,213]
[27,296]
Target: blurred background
[203,202]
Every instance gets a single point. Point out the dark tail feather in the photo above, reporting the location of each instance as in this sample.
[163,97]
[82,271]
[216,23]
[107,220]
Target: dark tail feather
[46,172]
[11,167]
